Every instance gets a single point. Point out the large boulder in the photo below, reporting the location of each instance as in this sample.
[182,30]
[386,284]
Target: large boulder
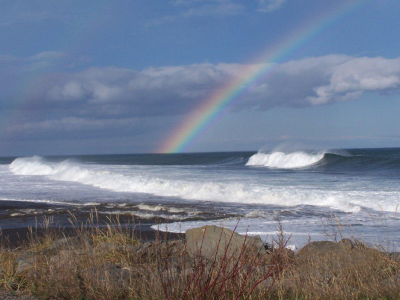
[217,242]
[341,256]
[70,243]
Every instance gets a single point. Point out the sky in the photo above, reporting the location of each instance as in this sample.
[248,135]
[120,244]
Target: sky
[122,76]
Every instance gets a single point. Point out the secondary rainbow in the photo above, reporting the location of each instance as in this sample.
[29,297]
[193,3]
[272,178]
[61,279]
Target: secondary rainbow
[205,114]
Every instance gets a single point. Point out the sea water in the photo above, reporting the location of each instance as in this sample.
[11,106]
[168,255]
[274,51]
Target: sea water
[314,195]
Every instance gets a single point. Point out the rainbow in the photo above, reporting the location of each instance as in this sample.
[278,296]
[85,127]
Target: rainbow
[213,107]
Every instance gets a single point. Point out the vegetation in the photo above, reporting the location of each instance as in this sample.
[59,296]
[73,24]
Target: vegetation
[110,262]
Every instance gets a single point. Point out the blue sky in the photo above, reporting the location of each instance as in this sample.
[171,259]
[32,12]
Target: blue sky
[81,77]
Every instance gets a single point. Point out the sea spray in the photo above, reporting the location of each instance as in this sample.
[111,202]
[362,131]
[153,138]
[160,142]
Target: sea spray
[285,161]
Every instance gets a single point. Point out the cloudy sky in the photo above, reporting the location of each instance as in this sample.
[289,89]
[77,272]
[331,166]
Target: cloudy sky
[100,76]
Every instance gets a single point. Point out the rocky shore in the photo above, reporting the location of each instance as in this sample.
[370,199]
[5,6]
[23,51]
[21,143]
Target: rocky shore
[208,263]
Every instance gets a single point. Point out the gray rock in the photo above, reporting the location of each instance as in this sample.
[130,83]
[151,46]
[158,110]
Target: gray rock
[108,273]
[395,256]
[71,243]
[150,251]
[336,257]
[320,246]
[343,245]
[176,248]
[25,262]
[112,247]
[211,241]
[346,243]
[65,256]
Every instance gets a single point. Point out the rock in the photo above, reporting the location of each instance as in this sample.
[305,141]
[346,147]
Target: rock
[278,256]
[209,241]
[25,262]
[71,243]
[326,246]
[112,247]
[395,256]
[346,243]
[66,256]
[341,256]
[143,248]
[107,273]
[151,250]
[176,248]
[320,246]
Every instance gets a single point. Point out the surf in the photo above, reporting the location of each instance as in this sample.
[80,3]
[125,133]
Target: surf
[175,183]
[281,160]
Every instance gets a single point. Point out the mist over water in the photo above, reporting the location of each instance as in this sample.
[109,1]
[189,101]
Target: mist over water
[300,188]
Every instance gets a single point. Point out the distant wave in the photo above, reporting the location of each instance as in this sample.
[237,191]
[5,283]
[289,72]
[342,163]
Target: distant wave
[332,161]
[285,160]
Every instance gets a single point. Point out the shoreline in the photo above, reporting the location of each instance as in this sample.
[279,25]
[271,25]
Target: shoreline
[17,237]
[16,217]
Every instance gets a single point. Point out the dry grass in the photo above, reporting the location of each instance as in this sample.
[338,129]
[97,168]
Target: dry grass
[340,273]
[109,262]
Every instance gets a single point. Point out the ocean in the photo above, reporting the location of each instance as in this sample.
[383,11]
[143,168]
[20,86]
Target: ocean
[314,195]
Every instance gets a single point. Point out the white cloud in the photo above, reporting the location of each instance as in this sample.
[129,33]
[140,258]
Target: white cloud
[39,62]
[300,83]
[73,124]
[105,98]
[201,8]
[269,5]
[227,9]
[350,80]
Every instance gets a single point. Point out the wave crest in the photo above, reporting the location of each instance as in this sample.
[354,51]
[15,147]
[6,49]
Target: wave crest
[285,161]
[204,189]
[31,166]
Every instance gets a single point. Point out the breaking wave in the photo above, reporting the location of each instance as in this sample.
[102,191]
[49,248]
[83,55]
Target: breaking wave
[285,161]
[200,189]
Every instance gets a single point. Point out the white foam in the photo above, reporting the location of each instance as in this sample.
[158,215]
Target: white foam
[284,161]
[54,202]
[143,215]
[31,166]
[149,207]
[292,247]
[92,204]
[204,188]
[16,215]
